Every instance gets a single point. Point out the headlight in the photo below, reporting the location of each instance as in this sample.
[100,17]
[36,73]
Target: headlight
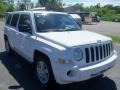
[78,54]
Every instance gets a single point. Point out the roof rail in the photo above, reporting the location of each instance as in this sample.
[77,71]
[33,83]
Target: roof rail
[38,9]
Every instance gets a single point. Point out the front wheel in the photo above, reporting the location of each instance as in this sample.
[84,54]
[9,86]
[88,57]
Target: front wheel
[98,77]
[44,73]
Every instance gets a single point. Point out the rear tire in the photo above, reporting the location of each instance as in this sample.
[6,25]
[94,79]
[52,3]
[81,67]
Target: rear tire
[44,73]
[8,48]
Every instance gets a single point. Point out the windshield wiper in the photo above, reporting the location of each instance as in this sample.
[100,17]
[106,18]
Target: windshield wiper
[59,30]
[72,29]
[53,30]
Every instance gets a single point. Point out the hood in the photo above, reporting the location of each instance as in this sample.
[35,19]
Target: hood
[73,38]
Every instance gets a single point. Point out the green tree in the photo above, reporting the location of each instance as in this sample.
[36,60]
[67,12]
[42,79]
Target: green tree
[2,9]
[117,8]
[26,3]
[37,5]
[51,4]
[32,5]
[17,5]
[79,6]
[22,7]
[108,12]
[109,6]
[43,3]
[10,6]
[98,5]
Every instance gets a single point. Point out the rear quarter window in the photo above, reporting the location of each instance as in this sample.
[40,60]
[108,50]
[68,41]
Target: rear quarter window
[8,19]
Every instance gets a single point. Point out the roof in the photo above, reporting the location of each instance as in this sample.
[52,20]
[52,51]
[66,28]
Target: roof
[38,12]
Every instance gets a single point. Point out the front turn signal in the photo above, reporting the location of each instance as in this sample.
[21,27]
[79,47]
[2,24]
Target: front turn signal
[61,61]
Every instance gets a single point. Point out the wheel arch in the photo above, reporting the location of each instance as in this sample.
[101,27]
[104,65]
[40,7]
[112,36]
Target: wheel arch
[41,54]
[5,37]
[46,57]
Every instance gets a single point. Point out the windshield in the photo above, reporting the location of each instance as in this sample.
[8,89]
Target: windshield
[55,22]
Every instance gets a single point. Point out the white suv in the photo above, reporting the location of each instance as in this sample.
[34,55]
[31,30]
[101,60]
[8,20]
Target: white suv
[54,43]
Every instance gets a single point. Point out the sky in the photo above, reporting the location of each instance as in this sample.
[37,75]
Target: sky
[90,2]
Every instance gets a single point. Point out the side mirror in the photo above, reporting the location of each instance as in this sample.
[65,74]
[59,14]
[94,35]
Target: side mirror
[25,28]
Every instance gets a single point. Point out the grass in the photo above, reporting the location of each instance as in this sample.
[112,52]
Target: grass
[116,39]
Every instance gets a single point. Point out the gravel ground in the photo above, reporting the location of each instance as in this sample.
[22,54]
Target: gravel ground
[18,75]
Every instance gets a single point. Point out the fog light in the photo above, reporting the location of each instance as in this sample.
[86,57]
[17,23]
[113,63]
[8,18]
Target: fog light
[71,73]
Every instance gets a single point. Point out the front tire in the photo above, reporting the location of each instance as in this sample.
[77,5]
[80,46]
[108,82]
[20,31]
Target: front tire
[99,77]
[44,73]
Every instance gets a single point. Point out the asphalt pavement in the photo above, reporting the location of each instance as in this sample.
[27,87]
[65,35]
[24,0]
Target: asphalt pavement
[104,27]
[15,74]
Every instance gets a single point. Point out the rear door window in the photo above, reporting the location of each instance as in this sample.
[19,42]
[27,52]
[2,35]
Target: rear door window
[8,19]
[14,20]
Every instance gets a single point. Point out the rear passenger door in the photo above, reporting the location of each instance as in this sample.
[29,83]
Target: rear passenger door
[12,28]
[7,28]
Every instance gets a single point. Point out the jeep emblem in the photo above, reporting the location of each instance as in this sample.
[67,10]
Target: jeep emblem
[99,41]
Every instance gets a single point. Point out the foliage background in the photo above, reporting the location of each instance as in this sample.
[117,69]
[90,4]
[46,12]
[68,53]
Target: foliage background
[107,12]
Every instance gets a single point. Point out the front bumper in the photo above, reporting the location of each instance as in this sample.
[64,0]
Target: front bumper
[66,73]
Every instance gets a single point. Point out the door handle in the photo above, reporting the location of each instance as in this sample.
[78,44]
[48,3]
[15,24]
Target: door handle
[17,33]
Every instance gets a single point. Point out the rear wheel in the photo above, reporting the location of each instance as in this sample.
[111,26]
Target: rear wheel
[44,73]
[8,48]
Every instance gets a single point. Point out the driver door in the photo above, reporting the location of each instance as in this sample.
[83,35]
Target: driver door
[24,35]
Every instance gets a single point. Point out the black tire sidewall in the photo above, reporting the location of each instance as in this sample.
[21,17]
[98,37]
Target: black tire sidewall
[51,81]
[10,50]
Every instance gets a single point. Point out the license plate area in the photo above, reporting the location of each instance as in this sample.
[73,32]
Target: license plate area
[98,73]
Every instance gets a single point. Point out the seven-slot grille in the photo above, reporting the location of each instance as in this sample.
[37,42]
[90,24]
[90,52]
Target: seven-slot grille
[98,52]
